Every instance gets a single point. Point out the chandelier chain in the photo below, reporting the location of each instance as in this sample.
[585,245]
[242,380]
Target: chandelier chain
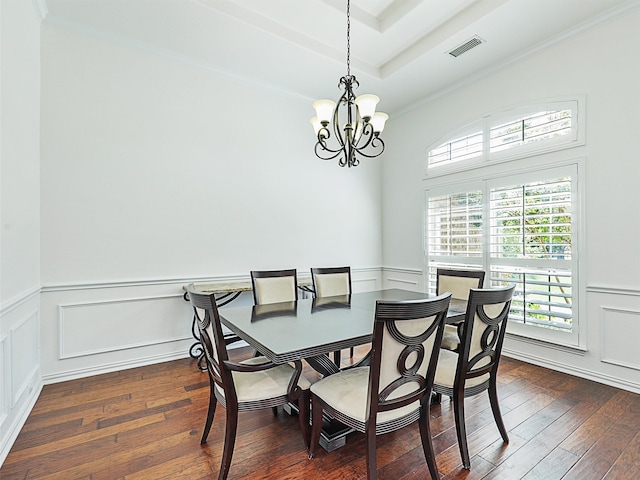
[348,38]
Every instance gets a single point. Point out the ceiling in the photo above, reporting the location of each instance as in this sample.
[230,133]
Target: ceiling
[399,48]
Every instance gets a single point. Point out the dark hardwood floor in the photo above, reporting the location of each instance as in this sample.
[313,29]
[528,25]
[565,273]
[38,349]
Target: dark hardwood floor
[145,423]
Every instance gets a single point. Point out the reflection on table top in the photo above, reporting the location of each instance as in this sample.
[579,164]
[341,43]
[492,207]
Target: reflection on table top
[310,327]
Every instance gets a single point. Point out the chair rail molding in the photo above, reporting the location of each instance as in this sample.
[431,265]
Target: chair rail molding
[19,300]
[613,290]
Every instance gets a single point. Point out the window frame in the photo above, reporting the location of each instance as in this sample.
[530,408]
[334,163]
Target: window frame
[548,166]
[575,138]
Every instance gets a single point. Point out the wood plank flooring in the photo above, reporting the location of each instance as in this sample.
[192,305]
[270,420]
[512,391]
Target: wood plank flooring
[145,424]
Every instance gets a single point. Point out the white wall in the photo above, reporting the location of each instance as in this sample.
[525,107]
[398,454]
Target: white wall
[602,64]
[156,172]
[19,216]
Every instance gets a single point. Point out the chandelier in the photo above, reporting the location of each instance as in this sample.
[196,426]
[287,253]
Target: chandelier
[355,124]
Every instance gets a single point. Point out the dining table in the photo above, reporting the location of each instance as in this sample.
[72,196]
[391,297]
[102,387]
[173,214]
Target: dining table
[311,328]
[225,293]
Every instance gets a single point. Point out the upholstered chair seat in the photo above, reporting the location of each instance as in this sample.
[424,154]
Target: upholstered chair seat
[265,384]
[347,393]
[395,389]
[450,338]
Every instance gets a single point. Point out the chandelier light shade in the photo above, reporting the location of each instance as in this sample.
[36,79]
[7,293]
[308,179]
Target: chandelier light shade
[351,127]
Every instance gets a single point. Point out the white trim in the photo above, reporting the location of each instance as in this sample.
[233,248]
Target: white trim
[18,422]
[613,290]
[4,380]
[15,395]
[62,287]
[572,370]
[113,367]
[409,271]
[18,300]
[61,309]
[141,283]
[603,335]
[488,176]
[577,104]
[402,280]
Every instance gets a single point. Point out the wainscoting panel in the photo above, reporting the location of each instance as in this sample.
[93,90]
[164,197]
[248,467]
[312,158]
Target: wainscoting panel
[403,278]
[20,376]
[364,284]
[4,375]
[91,328]
[25,354]
[620,333]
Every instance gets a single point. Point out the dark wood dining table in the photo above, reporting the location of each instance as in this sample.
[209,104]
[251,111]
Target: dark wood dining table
[311,328]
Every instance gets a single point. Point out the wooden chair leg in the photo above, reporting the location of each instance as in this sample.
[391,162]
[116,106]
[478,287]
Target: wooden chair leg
[372,468]
[316,426]
[337,358]
[229,441]
[303,416]
[427,443]
[461,430]
[211,411]
[495,408]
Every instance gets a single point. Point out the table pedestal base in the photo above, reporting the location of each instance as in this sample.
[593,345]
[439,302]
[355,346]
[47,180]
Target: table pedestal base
[334,434]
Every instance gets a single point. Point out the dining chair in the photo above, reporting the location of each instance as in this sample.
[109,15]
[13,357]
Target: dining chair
[458,282]
[255,383]
[394,391]
[331,282]
[274,286]
[474,368]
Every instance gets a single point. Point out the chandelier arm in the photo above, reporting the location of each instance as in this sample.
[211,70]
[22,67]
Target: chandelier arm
[376,142]
[366,136]
[319,150]
[322,146]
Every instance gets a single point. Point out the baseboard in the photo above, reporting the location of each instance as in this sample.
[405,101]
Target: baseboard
[18,423]
[572,370]
[112,367]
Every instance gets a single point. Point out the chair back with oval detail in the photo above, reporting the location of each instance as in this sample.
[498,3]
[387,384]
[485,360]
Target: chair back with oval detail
[255,383]
[395,390]
[474,367]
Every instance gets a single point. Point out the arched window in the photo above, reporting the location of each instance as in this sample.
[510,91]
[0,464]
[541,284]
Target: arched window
[518,222]
[507,135]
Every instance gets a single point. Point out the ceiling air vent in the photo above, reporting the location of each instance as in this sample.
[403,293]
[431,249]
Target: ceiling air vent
[466,46]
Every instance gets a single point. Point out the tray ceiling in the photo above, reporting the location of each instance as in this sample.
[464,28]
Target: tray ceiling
[399,48]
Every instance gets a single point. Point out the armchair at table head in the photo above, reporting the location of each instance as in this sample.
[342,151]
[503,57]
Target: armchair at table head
[474,368]
[255,383]
[330,282]
[274,286]
[395,390]
[459,283]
